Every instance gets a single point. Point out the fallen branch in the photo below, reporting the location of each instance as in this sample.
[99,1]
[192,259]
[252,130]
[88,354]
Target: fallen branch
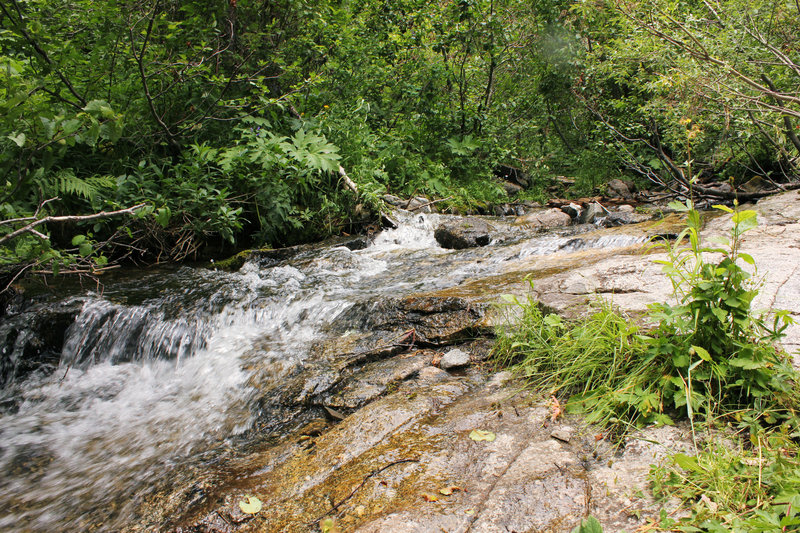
[733,195]
[427,203]
[347,181]
[30,228]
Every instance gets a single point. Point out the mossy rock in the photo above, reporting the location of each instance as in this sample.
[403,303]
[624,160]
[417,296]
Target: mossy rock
[235,262]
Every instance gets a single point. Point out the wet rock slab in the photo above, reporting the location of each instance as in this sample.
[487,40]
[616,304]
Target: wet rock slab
[406,462]
[634,281]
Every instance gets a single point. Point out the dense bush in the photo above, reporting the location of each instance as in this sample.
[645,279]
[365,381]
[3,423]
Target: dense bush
[229,120]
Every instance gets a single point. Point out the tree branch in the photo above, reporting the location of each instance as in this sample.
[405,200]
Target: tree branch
[30,228]
[143,78]
[43,54]
[787,122]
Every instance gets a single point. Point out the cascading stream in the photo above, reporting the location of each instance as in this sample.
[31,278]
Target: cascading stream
[159,370]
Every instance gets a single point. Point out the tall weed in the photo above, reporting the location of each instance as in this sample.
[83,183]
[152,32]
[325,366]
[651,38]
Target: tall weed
[709,353]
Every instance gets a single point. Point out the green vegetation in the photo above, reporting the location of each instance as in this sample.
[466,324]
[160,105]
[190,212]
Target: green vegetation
[735,487]
[229,121]
[708,358]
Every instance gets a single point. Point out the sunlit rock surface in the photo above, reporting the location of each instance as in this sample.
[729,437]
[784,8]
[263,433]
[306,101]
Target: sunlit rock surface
[310,379]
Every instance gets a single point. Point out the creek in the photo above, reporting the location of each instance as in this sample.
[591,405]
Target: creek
[164,375]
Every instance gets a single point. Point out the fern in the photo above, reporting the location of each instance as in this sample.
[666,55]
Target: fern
[65,182]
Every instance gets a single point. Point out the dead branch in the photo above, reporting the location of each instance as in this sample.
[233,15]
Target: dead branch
[30,228]
[347,181]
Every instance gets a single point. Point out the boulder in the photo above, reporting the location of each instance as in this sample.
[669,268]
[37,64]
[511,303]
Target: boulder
[503,210]
[755,184]
[551,218]
[618,188]
[512,189]
[464,233]
[592,212]
[573,210]
[620,218]
[393,200]
[455,358]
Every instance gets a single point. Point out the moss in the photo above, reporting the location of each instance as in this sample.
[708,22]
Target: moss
[235,262]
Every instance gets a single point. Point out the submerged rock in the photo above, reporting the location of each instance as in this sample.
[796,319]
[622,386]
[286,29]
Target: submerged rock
[31,339]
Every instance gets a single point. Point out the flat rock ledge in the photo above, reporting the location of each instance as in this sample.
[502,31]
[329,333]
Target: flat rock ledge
[407,462]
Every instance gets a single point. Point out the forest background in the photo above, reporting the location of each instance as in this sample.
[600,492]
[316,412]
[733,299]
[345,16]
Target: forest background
[215,125]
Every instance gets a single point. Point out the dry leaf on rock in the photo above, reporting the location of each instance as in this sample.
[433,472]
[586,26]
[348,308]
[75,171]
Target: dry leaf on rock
[328,525]
[447,491]
[250,505]
[428,497]
[481,435]
[555,408]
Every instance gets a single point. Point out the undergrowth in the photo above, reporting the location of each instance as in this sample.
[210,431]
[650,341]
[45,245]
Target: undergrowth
[709,358]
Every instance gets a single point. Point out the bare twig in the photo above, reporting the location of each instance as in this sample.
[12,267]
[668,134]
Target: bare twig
[30,228]
[335,506]
[347,181]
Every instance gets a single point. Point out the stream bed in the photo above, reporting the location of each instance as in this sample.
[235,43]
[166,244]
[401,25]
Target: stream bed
[166,374]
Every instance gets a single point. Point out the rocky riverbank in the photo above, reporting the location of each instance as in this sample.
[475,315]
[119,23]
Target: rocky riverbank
[397,420]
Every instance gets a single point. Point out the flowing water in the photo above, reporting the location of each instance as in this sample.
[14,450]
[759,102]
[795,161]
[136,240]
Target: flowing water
[155,379]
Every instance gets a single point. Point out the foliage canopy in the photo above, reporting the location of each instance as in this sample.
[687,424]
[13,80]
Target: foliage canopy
[230,119]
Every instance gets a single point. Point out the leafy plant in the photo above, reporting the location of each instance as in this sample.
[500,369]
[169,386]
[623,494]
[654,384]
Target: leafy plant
[589,525]
[721,354]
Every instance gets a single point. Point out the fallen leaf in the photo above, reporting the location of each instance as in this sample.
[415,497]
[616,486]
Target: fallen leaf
[250,505]
[555,408]
[447,491]
[712,506]
[328,525]
[428,497]
[469,512]
[480,434]
[334,413]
